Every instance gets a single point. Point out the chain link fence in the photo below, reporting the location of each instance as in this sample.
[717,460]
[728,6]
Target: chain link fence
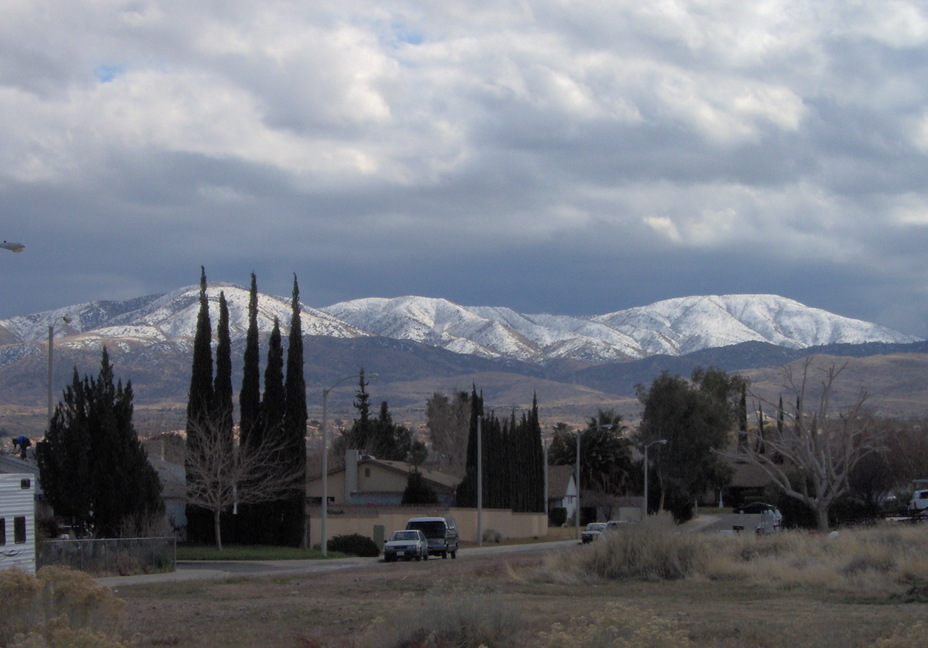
[110,556]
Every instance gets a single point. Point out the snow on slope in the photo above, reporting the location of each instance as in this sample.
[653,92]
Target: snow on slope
[160,318]
[687,324]
[673,327]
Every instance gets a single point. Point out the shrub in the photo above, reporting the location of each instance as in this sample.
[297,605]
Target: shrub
[557,516]
[649,550]
[418,491]
[617,626]
[58,607]
[461,619]
[910,637]
[492,535]
[354,544]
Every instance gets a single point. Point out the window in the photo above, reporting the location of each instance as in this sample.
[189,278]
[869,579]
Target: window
[367,472]
[2,531]
[25,484]
[19,530]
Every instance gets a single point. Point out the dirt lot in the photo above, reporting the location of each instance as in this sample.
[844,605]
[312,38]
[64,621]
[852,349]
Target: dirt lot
[356,608]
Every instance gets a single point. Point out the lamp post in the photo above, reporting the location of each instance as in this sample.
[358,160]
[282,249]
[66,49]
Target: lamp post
[544,452]
[644,505]
[577,512]
[480,479]
[12,247]
[325,455]
[51,341]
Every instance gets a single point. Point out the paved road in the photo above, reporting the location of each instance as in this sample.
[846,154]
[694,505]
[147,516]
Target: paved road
[200,570]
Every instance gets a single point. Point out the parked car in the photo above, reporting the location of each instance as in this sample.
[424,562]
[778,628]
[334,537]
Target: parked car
[772,521]
[755,507]
[592,531]
[407,544]
[441,532]
[919,501]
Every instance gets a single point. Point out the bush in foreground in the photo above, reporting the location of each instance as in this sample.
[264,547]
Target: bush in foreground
[888,561]
[354,544]
[58,608]
[616,626]
[652,550]
[461,619]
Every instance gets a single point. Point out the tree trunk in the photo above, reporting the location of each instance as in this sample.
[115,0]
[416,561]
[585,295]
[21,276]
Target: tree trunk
[821,516]
[217,530]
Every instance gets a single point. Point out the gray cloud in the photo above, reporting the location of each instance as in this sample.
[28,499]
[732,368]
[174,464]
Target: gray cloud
[571,158]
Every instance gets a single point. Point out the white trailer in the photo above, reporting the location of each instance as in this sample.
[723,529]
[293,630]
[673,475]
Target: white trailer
[17,521]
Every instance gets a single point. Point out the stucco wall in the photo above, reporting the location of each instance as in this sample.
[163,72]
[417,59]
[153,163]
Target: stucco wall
[363,522]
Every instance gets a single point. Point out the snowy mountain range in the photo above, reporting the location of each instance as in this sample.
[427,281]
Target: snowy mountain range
[672,327]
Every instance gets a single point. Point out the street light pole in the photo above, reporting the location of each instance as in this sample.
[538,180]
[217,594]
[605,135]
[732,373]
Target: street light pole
[577,512]
[544,449]
[644,506]
[325,456]
[480,480]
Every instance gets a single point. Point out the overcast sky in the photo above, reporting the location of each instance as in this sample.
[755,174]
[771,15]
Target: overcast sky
[572,157]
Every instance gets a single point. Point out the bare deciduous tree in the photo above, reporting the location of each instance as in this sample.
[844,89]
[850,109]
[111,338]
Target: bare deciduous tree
[819,447]
[448,424]
[222,473]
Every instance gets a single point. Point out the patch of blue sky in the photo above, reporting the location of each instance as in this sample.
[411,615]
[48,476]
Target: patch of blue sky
[106,73]
[408,35]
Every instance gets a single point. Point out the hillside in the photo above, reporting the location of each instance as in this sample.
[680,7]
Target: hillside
[420,345]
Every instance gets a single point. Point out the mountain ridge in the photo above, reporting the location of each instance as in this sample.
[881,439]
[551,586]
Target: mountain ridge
[421,345]
[675,327]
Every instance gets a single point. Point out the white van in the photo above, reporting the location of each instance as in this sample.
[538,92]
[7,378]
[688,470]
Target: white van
[442,534]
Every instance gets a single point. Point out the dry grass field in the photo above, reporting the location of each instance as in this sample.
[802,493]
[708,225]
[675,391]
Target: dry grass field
[651,588]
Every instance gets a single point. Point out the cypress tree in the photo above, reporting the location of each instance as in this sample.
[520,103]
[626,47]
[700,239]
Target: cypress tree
[222,386]
[200,395]
[250,396]
[538,467]
[294,424]
[200,406]
[274,400]
[267,516]
[466,493]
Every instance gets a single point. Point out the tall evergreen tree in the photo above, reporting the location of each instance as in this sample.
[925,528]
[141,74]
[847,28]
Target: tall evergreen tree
[200,406]
[538,468]
[222,385]
[200,395]
[391,441]
[273,402]
[250,397]
[360,435]
[294,425]
[267,517]
[92,466]
[743,416]
[466,494]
